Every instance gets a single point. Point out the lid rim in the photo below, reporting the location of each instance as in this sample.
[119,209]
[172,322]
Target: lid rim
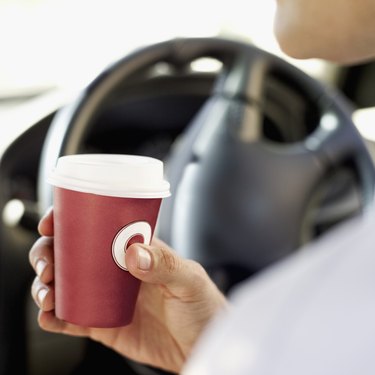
[148,183]
[115,193]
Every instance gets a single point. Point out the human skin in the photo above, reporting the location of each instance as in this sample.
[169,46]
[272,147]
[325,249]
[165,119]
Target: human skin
[342,31]
[175,302]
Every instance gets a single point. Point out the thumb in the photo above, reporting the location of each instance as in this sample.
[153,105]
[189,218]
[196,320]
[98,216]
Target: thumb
[159,264]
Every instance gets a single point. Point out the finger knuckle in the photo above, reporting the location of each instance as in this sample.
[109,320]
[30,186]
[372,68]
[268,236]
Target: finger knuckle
[169,260]
[198,271]
[41,321]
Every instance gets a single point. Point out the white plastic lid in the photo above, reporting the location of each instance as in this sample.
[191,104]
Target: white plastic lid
[127,176]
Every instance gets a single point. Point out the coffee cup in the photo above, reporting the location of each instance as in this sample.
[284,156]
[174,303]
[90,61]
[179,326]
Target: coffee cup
[102,204]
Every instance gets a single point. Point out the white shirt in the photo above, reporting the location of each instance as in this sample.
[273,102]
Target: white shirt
[311,314]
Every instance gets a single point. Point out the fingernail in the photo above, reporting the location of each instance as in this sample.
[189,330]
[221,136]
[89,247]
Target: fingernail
[41,295]
[144,259]
[40,266]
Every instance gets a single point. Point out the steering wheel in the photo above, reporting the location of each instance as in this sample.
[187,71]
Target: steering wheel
[265,154]
[271,160]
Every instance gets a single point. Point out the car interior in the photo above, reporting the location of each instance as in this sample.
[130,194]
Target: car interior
[251,145]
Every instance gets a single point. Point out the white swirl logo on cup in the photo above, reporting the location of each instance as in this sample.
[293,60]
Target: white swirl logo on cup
[123,237]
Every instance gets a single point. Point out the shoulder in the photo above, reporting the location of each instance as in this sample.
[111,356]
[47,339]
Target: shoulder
[312,313]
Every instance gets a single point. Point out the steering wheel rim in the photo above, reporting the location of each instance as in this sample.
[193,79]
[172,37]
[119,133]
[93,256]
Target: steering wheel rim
[241,84]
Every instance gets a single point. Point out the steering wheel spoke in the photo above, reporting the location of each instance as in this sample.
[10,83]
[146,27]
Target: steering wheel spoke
[336,142]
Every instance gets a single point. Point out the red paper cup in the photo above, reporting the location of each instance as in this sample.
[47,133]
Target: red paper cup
[102,204]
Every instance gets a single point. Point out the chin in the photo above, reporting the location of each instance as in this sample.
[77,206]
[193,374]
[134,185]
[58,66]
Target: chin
[299,42]
[303,50]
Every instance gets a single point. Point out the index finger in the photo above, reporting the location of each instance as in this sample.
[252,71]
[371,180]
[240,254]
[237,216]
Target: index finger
[45,226]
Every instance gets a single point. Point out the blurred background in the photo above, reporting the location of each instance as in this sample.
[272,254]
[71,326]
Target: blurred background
[49,44]
[50,49]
